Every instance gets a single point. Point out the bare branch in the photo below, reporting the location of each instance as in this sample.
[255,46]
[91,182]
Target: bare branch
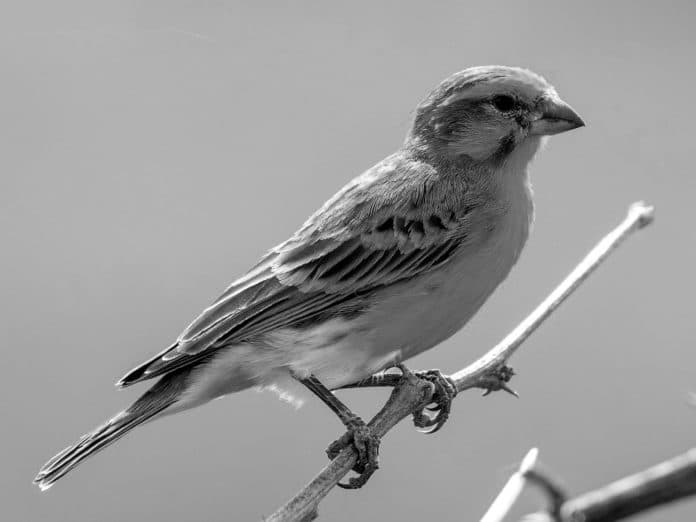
[488,372]
[477,374]
[660,484]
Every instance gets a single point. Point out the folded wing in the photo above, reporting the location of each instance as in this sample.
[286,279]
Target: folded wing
[313,275]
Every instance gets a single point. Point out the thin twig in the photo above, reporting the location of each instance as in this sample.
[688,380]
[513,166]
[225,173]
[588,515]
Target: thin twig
[484,373]
[512,489]
[639,216]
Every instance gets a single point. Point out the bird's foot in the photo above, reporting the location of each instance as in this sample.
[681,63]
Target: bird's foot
[366,444]
[440,405]
[498,380]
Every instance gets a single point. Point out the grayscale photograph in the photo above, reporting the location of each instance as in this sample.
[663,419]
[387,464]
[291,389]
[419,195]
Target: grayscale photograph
[436,260]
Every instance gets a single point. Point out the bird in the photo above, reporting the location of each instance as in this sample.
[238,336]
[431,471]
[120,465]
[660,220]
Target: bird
[397,261]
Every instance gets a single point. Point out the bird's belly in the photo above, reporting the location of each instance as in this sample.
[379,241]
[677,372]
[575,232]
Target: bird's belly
[338,351]
[421,315]
[401,321]
[404,320]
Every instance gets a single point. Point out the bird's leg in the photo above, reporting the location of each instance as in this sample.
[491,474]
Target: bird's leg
[359,434]
[440,405]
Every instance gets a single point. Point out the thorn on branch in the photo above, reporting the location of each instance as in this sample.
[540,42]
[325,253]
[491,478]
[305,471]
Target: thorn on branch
[497,380]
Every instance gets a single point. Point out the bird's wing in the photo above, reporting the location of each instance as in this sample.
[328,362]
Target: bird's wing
[341,254]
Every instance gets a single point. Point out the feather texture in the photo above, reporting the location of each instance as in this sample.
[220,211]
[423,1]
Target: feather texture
[332,264]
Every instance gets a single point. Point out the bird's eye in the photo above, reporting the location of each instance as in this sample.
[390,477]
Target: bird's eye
[504,102]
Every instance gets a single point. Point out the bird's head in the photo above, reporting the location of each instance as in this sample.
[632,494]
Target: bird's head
[486,113]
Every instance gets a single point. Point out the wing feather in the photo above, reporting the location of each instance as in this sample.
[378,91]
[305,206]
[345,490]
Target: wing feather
[330,265]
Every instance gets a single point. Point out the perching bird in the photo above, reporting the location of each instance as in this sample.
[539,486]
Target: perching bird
[393,264]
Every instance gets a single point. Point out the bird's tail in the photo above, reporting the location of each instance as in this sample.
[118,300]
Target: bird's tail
[160,397]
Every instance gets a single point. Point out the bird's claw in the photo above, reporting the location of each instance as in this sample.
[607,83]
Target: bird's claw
[441,403]
[498,380]
[366,444]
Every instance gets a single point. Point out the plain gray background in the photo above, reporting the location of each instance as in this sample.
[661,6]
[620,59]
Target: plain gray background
[152,151]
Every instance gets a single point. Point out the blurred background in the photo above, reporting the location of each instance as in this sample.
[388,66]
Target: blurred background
[151,151]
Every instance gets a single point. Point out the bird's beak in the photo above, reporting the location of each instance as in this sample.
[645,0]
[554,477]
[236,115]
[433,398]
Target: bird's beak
[553,116]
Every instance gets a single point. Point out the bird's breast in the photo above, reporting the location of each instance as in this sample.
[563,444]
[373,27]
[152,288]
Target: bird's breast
[418,314]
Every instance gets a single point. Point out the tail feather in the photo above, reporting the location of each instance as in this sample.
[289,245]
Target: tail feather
[160,397]
[140,372]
